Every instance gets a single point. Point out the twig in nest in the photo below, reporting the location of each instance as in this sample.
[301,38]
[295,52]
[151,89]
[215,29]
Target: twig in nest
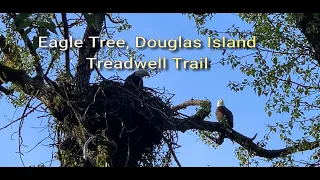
[122,131]
[128,153]
[94,100]
[89,140]
[134,96]
[85,147]
[172,151]
[129,131]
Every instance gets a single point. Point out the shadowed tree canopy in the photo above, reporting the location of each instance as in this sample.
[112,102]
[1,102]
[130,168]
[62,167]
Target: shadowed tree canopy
[99,122]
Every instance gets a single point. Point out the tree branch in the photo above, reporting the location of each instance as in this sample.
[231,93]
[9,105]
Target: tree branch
[197,123]
[201,114]
[113,20]
[17,76]
[66,36]
[191,102]
[83,71]
[31,86]
[246,142]
[6,91]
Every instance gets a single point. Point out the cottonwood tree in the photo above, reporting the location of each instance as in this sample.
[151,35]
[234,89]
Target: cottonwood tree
[284,67]
[113,126]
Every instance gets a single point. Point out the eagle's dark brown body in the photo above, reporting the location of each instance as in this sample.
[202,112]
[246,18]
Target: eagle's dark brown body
[223,112]
[224,117]
[133,81]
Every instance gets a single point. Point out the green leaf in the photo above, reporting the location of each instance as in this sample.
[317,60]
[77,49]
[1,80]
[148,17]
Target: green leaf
[275,60]
[269,113]
[89,18]
[281,136]
[22,16]
[51,26]
[259,91]
[21,25]
[300,90]
[234,33]
[43,32]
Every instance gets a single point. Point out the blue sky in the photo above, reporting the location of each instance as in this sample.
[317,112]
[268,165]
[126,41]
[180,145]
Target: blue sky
[248,108]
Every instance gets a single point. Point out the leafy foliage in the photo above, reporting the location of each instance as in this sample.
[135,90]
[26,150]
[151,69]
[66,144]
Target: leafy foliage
[52,84]
[282,68]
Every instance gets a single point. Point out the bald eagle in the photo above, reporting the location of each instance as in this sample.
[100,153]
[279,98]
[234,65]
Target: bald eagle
[224,116]
[136,79]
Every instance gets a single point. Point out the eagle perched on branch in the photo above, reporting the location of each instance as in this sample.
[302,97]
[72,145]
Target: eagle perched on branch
[135,80]
[224,115]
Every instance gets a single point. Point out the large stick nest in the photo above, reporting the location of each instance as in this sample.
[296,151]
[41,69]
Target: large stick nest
[134,120]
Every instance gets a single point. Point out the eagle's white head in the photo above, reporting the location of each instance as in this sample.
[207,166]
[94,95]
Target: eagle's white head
[220,102]
[142,73]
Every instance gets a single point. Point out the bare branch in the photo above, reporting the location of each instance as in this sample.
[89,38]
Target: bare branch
[50,66]
[198,124]
[201,114]
[113,20]
[85,147]
[191,102]
[39,143]
[66,36]
[128,153]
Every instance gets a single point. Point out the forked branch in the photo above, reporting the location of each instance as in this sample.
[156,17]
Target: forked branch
[198,123]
